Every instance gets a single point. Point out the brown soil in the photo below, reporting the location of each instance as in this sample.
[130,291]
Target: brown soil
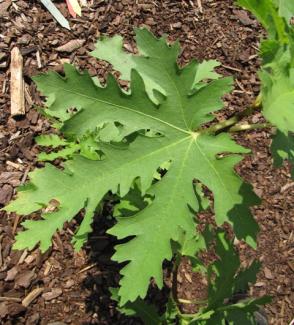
[75,284]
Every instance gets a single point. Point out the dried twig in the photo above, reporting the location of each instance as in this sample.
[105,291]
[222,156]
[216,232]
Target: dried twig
[47,269]
[286,187]
[87,268]
[25,175]
[231,68]
[17,83]
[71,45]
[14,165]
[15,224]
[28,96]
[4,86]
[31,296]
[38,57]
[240,85]
[199,3]
[1,257]
[23,257]
[10,299]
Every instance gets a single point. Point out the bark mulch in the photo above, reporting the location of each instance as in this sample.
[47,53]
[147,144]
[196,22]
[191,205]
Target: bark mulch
[64,287]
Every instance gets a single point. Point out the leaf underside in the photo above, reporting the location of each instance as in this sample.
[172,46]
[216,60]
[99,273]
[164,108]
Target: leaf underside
[173,104]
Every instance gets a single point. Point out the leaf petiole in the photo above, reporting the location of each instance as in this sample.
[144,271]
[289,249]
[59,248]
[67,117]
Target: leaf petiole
[192,302]
[246,127]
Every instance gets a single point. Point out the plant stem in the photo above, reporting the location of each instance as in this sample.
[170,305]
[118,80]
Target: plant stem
[245,127]
[222,125]
[258,102]
[235,119]
[192,302]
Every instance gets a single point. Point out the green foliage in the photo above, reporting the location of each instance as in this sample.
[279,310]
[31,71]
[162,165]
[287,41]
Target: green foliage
[148,147]
[174,106]
[110,49]
[286,9]
[277,72]
[225,278]
[54,141]
[267,13]
[283,148]
[87,147]
[242,312]
[50,140]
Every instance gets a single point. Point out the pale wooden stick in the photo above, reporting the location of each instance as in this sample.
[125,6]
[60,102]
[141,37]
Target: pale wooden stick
[32,296]
[10,299]
[199,3]
[16,83]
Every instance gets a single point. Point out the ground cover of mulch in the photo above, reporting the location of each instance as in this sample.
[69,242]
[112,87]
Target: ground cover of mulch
[62,286]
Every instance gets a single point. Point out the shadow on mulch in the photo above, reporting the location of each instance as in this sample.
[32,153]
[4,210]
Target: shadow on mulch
[100,250]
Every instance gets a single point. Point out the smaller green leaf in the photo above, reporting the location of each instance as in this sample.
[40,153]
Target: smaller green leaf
[209,317]
[190,248]
[223,270]
[205,70]
[171,314]
[248,305]
[244,277]
[81,236]
[88,147]
[132,202]
[50,140]
[44,229]
[243,312]
[283,148]
[225,279]
[63,153]
[240,317]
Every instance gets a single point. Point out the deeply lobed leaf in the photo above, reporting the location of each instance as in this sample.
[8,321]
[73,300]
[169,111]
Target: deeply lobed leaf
[173,103]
